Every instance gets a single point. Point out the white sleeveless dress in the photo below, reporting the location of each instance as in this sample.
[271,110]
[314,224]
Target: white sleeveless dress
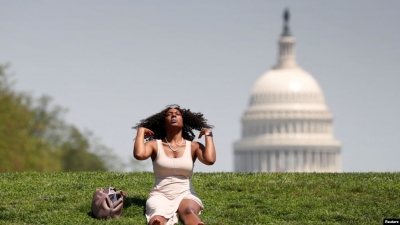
[172,184]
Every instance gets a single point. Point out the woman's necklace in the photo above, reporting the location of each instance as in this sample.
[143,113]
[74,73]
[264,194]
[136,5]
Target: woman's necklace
[172,149]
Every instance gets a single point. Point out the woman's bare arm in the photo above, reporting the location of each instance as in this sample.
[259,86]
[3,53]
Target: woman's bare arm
[206,154]
[141,150]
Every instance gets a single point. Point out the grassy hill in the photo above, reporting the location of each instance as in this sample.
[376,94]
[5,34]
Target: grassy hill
[229,198]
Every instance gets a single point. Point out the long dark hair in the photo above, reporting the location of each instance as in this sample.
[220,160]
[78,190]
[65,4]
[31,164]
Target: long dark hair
[191,121]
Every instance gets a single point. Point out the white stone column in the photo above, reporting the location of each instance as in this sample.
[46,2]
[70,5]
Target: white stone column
[283,129]
[325,161]
[331,162]
[264,158]
[334,161]
[309,163]
[290,128]
[281,161]
[243,161]
[297,128]
[274,129]
[314,160]
[290,161]
[256,162]
[248,161]
[305,127]
[312,127]
[272,159]
[318,161]
[303,164]
[300,161]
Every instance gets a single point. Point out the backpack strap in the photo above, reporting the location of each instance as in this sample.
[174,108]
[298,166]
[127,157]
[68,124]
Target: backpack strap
[111,209]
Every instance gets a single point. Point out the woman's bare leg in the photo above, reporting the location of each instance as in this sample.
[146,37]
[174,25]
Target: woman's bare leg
[188,212]
[157,220]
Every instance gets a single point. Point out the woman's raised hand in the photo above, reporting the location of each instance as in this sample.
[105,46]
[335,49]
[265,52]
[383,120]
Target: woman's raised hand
[204,132]
[146,132]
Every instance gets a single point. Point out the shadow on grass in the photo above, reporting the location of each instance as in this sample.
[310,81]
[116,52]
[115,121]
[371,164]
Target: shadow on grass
[138,201]
[90,214]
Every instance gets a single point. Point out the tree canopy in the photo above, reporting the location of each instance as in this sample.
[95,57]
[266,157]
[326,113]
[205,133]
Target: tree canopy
[35,137]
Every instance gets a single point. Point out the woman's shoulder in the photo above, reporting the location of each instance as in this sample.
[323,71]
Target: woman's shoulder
[152,142]
[195,144]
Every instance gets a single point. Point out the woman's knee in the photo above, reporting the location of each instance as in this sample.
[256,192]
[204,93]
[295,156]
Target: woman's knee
[157,220]
[188,214]
[188,211]
[188,206]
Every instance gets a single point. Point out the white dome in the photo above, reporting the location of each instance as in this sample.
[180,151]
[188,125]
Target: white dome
[289,80]
[287,86]
[287,126]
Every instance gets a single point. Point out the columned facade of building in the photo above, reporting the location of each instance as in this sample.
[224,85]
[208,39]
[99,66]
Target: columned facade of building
[288,126]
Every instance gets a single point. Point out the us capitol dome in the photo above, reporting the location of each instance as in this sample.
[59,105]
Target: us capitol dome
[287,126]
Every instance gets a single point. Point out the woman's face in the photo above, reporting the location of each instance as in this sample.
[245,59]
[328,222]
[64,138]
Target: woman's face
[173,117]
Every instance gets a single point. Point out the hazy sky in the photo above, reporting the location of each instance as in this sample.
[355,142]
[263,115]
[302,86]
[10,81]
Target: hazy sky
[112,63]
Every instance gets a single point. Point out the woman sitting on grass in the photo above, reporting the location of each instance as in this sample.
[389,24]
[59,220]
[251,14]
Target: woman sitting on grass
[169,136]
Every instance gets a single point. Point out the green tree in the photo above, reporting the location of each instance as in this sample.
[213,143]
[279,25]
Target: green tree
[18,148]
[35,137]
[76,156]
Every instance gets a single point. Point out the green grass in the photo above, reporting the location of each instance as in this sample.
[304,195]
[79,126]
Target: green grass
[229,198]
